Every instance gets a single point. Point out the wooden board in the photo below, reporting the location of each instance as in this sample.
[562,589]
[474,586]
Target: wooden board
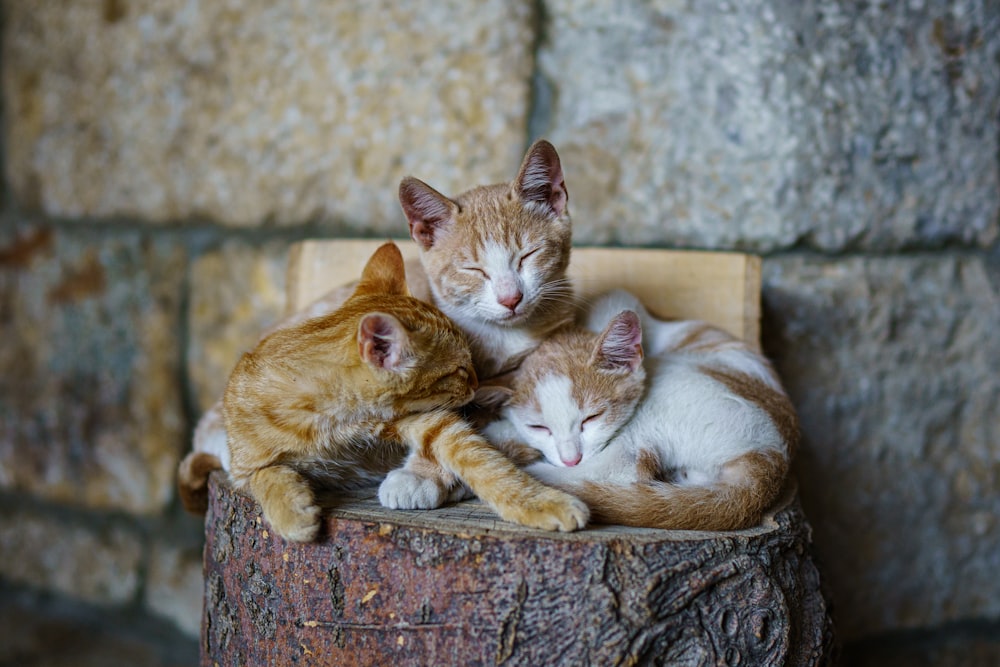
[722,288]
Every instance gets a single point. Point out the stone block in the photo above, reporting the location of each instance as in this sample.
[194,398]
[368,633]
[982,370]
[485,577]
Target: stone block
[237,291]
[90,409]
[976,646]
[174,585]
[769,124]
[99,565]
[894,366]
[44,630]
[258,112]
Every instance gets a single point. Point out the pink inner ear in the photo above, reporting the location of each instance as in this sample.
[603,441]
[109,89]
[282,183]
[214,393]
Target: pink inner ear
[541,178]
[621,344]
[425,208]
[380,341]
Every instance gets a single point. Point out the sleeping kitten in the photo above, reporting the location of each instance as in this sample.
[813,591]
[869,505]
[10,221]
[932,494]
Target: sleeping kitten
[493,259]
[697,436]
[344,397]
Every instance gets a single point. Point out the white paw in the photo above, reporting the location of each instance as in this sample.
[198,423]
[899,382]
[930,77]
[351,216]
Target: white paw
[403,490]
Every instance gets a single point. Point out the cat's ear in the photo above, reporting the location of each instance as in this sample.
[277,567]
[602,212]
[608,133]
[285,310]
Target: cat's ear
[540,180]
[619,349]
[492,396]
[384,273]
[382,341]
[426,209]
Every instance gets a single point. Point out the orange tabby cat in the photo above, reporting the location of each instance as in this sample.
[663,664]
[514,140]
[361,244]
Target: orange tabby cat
[493,259]
[345,396]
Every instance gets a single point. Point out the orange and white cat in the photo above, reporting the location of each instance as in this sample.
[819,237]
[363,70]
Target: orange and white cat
[493,259]
[342,399]
[697,435]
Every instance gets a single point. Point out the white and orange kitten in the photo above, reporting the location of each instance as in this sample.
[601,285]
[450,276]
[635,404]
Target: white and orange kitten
[697,435]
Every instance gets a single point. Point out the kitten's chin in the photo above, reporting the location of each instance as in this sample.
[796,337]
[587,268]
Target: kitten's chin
[509,319]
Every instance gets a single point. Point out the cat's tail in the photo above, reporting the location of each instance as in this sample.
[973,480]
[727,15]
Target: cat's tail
[210,451]
[747,487]
[192,480]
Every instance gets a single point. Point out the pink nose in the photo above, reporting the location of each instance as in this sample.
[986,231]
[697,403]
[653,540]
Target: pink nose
[572,462]
[510,300]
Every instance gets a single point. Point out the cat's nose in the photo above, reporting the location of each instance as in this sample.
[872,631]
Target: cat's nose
[573,461]
[510,300]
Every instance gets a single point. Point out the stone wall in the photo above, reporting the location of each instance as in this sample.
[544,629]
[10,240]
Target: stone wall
[161,156]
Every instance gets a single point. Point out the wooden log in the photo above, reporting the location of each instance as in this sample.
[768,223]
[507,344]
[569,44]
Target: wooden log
[457,586]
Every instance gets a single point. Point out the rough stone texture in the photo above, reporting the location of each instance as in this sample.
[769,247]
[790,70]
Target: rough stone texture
[89,399]
[237,292]
[894,365]
[174,585]
[52,631]
[259,112]
[770,123]
[97,565]
[458,586]
[977,646]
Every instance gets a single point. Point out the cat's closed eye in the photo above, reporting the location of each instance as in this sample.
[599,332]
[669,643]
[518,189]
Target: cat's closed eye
[591,419]
[520,263]
[476,269]
[541,428]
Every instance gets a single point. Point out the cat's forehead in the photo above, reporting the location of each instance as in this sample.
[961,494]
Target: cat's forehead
[494,213]
[570,354]
[485,197]
[565,350]
[416,315]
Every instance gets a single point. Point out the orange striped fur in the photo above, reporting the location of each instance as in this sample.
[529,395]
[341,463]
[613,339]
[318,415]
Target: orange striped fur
[344,398]
[494,260]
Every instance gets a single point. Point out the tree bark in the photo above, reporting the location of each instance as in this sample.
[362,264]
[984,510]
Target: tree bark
[458,586]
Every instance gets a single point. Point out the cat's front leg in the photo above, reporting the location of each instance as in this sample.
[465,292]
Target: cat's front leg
[287,501]
[457,449]
[419,484]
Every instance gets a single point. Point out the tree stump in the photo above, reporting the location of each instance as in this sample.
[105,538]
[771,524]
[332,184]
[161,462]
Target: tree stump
[458,586]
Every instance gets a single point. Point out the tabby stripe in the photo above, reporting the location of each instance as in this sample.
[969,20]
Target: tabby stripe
[430,435]
[775,404]
[693,336]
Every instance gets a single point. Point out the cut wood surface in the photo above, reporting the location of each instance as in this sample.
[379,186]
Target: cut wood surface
[458,586]
[722,288]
